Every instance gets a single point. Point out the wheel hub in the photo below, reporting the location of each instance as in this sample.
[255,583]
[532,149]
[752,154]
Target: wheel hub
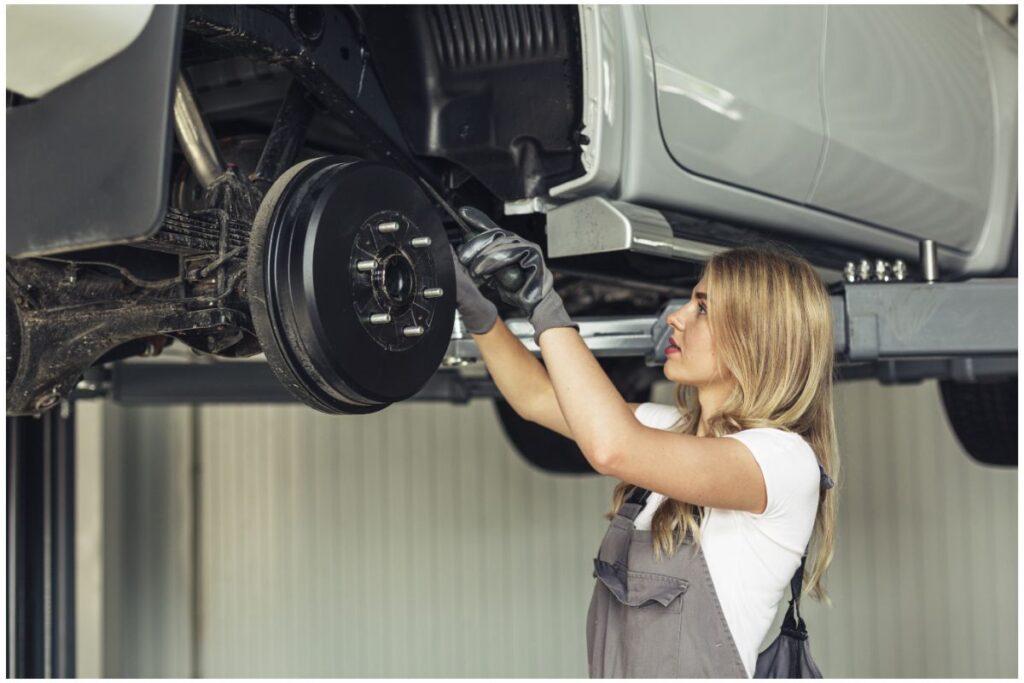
[393,280]
[353,287]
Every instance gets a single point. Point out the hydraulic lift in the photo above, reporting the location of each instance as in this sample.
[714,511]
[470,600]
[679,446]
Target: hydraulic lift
[893,332]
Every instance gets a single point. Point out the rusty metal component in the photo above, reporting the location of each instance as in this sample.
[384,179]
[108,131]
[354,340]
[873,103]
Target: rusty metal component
[188,194]
[63,328]
[234,193]
[199,232]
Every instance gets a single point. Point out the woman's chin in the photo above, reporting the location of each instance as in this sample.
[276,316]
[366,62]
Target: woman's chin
[672,373]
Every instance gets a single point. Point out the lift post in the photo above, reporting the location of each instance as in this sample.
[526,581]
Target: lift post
[41,545]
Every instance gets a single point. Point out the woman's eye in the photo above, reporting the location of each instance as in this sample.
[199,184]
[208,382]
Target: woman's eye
[702,309]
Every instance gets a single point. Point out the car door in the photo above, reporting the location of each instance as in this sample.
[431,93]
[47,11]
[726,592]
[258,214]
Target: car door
[738,92]
[909,105]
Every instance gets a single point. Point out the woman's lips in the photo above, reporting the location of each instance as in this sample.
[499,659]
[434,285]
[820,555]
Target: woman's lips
[671,348]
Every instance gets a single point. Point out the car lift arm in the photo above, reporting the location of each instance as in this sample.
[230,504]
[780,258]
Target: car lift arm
[892,332]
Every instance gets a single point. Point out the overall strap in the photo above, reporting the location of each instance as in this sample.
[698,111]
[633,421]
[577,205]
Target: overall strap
[638,497]
[632,506]
[797,582]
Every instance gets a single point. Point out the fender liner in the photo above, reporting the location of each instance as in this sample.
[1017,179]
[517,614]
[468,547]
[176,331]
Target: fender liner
[89,163]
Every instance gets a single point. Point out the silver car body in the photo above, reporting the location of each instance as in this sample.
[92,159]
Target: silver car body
[871,126]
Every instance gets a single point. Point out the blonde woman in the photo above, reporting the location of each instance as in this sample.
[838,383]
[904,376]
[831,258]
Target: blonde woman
[689,575]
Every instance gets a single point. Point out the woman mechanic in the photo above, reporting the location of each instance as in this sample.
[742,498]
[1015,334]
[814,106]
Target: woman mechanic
[721,494]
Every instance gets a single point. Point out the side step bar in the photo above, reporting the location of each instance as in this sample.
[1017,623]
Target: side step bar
[596,225]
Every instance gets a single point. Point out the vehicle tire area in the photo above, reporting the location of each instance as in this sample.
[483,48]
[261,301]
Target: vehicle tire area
[984,418]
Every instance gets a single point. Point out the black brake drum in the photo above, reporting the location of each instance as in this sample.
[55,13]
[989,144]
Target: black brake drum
[352,287]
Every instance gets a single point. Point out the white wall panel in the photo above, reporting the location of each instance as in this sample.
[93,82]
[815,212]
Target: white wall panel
[412,542]
[415,542]
[147,542]
[89,539]
[924,580]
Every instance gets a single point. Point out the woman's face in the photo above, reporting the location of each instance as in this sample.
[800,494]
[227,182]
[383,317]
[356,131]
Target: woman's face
[691,359]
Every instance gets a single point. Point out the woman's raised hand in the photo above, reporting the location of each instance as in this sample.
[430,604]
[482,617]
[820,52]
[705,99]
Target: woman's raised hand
[478,314]
[488,257]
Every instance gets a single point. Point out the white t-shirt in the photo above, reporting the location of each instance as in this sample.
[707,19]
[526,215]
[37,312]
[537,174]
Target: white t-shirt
[752,557]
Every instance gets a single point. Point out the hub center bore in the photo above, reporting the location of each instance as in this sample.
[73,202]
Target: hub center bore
[395,278]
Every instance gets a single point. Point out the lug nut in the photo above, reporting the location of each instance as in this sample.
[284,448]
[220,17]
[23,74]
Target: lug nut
[881,270]
[380,318]
[365,266]
[420,242]
[850,272]
[864,270]
[413,331]
[390,226]
[899,270]
[433,293]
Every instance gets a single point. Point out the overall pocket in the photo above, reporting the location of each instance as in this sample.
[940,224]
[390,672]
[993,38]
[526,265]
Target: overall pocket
[651,618]
[641,589]
[648,591]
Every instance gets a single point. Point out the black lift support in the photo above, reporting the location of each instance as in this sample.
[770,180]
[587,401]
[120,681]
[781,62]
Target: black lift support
[41,545]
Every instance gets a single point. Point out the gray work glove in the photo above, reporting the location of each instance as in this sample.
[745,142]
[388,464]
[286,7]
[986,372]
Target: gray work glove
[478,314]
[488,255]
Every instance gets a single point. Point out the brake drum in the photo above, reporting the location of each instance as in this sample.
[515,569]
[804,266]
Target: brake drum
[351,284]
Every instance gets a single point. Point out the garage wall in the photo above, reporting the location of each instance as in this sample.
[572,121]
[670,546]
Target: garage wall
[414,542]
[147,552]
[407,543]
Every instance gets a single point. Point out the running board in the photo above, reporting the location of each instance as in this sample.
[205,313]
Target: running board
[596,225]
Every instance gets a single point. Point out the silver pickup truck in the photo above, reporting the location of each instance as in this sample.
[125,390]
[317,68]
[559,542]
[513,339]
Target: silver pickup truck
[280,180]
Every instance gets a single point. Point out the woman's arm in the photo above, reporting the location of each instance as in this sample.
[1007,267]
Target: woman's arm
[716,472]
[590,404]
[589,409]
[521,378]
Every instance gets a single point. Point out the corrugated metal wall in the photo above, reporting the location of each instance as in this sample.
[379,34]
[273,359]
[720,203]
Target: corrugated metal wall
[148,539]
[411,542]
[414,542]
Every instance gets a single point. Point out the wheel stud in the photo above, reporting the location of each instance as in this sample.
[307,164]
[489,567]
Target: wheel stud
[366,266]
[420,242]
[390,226]
[380,318]
[413,331]
[433,293]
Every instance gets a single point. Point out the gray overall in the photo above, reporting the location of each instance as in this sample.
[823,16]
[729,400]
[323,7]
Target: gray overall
[653,618]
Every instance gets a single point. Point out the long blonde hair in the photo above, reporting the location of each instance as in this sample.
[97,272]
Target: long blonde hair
[771,321]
